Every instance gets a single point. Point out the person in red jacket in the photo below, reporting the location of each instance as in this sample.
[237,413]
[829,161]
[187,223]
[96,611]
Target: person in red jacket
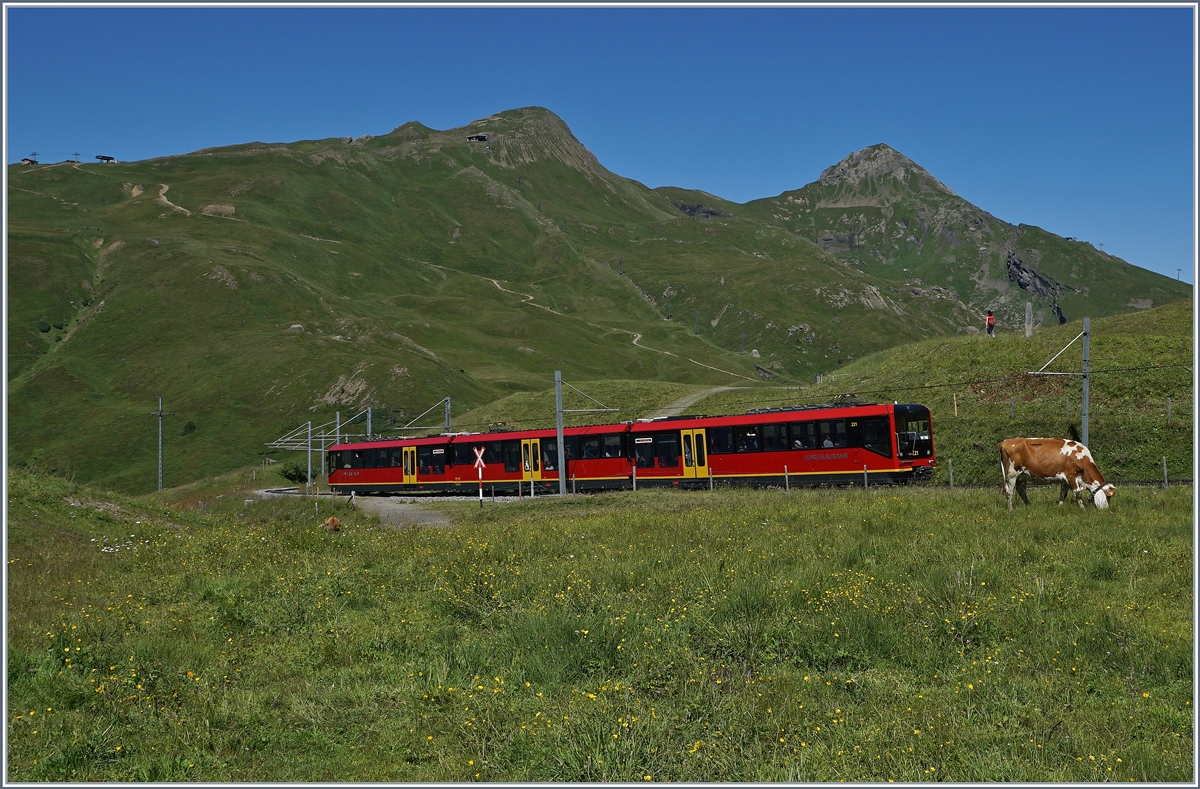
[991,325]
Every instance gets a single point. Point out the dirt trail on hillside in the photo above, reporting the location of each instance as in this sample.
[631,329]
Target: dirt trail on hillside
[162,200]
[675,408]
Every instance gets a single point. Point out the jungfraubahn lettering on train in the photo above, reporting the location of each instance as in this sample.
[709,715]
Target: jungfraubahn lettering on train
[808,446]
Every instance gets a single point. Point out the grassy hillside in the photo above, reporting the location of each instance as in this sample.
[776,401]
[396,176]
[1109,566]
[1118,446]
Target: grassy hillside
[912,635]
[257,286]
[1138,361]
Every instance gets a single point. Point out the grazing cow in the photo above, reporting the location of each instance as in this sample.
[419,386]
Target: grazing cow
[331,524]
[1051,461]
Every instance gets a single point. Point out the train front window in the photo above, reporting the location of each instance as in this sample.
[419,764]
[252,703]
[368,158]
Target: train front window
[913,436]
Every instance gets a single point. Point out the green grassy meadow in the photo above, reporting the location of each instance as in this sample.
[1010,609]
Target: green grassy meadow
[912,635]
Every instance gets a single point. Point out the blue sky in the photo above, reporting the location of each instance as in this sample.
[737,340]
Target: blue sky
[1078,120]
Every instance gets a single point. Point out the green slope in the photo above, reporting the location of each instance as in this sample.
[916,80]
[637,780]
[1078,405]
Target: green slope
[257,286]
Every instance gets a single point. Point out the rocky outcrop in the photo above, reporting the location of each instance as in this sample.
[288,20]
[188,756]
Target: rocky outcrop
[1029,279]
[697,209]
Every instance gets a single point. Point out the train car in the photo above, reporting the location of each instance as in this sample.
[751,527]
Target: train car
[596,458]
[819,445]
[825,445]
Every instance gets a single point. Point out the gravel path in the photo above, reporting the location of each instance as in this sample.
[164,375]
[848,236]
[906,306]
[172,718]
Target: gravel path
[394,511]
[687,400]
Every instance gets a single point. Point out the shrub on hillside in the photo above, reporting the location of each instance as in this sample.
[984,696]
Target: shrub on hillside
[294,472]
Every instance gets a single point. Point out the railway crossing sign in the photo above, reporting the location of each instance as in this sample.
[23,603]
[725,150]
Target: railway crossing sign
[479,464]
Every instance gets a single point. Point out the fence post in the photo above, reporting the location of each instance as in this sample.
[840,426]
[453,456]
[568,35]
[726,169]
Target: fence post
[955,404]
[635,477]
[950,461]
[1164,472]
[710,479]
[864,476]
[786,484]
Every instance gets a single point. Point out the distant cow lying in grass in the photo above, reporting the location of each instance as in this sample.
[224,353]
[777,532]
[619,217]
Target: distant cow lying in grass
[1051,461]
[331,524]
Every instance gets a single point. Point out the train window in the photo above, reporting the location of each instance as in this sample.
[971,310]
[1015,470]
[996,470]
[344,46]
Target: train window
[804,435]
[774,438]
[571,443]
[357,458]
[747,438]
[493,452]
[666,449]
[700,448]
[550,454]
[832,432]
[687,450]
[395,457]
[512,455]
[877,435]
[431,460]
[335,460]
[720,440]
[612,445]
[643,451]
[590,446]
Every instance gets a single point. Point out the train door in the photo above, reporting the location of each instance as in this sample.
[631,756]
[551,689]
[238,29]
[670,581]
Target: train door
[410,465]
[695,454]
[531,459]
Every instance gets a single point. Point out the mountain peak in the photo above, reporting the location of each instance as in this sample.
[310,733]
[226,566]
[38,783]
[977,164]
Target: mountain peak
[880,166]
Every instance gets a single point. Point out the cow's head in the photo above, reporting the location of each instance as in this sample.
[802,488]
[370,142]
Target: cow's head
[1103,495]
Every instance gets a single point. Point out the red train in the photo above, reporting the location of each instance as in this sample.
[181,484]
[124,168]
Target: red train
[819,445]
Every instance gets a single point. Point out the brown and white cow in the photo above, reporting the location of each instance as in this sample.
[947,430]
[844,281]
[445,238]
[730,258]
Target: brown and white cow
[1051,461]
